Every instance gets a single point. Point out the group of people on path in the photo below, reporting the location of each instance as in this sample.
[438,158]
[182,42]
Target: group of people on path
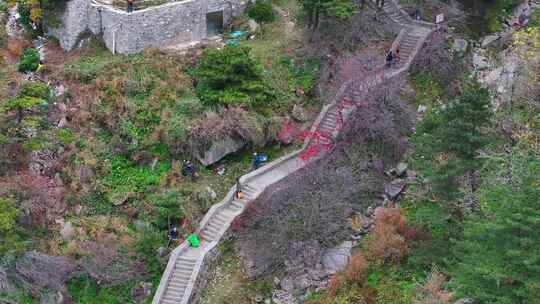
[130,6]
[393,57]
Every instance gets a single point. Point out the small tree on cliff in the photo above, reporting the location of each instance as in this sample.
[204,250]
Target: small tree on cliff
[341,9]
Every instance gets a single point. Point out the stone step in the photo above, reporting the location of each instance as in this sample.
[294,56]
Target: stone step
[219,218]
[177,291]
[212,228]
[180,278]
[249,187]
[215,222]
[328,119]
[208,236]
[409,41]
[179,284]
[330,124]
[235,205]
[172,299]
[183,271]
[327,129]
[183,268]
[222,217]
[184,263]
[332,114]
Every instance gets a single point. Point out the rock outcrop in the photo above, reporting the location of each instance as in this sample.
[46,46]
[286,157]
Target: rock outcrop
[45,271]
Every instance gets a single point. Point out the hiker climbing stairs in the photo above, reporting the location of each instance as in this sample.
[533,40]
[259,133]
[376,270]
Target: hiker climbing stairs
[185,262]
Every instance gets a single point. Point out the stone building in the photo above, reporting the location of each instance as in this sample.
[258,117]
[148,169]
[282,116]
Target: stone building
[173,23]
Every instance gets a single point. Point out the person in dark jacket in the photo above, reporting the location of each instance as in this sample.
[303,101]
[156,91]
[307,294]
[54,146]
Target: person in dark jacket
[173,236]
[389,58]
[189,169]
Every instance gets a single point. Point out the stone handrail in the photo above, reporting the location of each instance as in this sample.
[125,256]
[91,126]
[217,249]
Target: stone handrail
[123,9]
[230,197]
[169,269]
[245,179]
[198,267]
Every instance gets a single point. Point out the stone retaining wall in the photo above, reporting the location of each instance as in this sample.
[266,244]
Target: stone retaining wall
[173,23]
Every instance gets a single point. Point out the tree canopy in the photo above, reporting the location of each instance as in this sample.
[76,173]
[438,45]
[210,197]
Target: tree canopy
[341,9]
[230,76]
[449,138]
[500,252]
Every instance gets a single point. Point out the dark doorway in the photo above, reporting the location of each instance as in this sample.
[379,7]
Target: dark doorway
[214,23]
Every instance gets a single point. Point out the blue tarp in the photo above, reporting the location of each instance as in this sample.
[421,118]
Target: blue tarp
[238,34]
[233,42]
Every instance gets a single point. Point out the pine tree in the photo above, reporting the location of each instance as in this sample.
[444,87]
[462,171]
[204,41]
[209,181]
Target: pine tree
[500,252]
[341,9]
[448,139]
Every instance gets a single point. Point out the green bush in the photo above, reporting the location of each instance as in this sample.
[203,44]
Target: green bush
[261,11]
[3,33]
[230,76]
[88,68]
[169,205]
[8,225]
[66,136]
[87,291]
[149,240]
[127,177]
[25,12]
[35,89]
[535,18]
[29,60]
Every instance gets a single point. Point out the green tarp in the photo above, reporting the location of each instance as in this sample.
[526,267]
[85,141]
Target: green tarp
[194,240]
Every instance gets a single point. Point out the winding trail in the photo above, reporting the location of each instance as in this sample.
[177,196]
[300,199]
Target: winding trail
[185,262]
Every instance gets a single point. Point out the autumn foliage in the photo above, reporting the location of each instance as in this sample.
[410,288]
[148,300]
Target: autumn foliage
[432,291]
[356,270]
[388,242]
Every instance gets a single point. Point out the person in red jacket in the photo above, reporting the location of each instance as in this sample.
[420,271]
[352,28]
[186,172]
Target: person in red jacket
[397,57]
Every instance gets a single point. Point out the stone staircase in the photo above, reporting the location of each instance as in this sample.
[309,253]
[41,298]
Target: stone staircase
[180,276]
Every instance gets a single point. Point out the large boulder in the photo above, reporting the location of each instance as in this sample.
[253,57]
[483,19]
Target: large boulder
[220,149]
[45,271]
[141,292]
[335,259]
[67,231]
[5,284]
[489,39]
[460,45]
[394,189]
[52,298]
[480,62]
